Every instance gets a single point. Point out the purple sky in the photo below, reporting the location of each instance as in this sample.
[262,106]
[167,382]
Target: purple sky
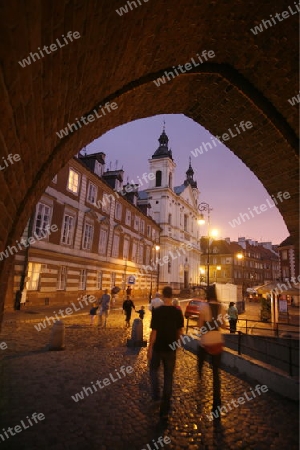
[224,181]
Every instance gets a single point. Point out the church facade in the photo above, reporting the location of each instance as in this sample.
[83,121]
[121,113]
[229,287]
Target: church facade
[175,209]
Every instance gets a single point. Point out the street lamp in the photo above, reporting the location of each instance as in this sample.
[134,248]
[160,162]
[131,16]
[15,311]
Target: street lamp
[205,207]
[157,249]
[217,268]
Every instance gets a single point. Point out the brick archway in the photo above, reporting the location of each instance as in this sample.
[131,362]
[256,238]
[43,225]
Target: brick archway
[116,59]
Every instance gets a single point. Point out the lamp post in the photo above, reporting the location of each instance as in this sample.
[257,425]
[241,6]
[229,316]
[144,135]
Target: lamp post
[205,207]
[157,249]
[241,257]
[217,268]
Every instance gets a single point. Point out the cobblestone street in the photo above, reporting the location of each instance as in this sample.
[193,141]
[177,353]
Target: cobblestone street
[121,416]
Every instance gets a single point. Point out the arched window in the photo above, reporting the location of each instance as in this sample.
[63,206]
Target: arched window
[158,178]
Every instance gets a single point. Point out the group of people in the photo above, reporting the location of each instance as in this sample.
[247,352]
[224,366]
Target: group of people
[102,308]
[167,327]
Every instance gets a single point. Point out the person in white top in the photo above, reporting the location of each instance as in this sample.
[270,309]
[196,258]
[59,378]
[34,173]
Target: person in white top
[155,302]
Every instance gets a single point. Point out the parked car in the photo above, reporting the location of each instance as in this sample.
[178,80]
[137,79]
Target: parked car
[194,307]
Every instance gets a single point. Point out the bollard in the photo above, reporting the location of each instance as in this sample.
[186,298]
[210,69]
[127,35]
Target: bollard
[57,336]
[136,335]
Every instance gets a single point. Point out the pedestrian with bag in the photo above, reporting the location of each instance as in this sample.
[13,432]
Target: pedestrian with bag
[212,317]
[104,306]
[233,317]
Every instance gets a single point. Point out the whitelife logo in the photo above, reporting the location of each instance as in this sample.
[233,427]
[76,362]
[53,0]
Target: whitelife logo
[18,428]
[53,47]
[86,119]
[259,209]
[102,383]
[265,24]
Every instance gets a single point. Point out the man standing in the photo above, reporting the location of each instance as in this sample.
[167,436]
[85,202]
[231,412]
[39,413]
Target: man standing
[128,306]
[233,316]
[167,326]
[104,304]
[212,317]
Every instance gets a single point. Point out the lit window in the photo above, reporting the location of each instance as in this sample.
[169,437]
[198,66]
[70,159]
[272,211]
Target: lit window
[68,230]
[92,193]
[73,181]
[141,254]
[42,220]
[284,254]
[82,280]
[33,281]
[87,236]
[103,241]
[116,246]
[62,278]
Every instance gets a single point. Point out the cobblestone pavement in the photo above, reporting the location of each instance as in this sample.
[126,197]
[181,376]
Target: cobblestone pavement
[121,415]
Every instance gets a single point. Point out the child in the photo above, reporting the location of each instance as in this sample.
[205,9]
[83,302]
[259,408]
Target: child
[141,312]
[93,313]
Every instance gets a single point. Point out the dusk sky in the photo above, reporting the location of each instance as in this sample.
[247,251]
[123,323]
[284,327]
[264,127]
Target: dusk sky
[224,181]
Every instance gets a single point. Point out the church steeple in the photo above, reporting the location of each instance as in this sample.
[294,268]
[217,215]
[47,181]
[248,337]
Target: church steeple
[190,176]
[163,149]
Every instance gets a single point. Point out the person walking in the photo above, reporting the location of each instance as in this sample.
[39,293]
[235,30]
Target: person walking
[104,305]
[93,312]
[167,326]
[212,317]
[233,317]
[128,306]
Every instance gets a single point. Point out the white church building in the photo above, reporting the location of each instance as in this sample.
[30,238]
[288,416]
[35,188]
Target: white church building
[175,209]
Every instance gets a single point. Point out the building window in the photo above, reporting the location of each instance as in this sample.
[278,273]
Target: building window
[87,236]
[73,181]
[284,255]
[133,253]
[128,217]
[148,231]
[106,202]
[158,178]
[103,241]
[170,219]
[82,280]
[136,223]
[185,223]
[62,278]
[92,193]
[169,266]
[67,230]
[34,272]
[126,249]
[141,254]
[142,229]
[99,280]
[115,246]
[98,169]
[118,213]
[148,251]
[42,220]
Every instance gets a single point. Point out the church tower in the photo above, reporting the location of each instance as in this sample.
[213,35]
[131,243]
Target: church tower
[162,165]
[190,181]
